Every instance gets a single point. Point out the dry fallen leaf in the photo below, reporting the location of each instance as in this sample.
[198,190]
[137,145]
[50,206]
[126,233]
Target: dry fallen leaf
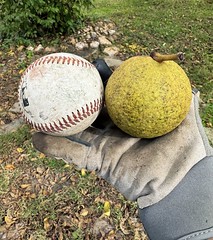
[33,195]
[84,212]
[41,156]
[46,224]
[25,185]
[83,172]
[9,220]
[123,227]
[9,167]
[20,150]
[11,53]
[20,48]
[67,166]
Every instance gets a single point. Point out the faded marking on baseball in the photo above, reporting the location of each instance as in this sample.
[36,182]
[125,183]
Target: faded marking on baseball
[69,121]
[60,94]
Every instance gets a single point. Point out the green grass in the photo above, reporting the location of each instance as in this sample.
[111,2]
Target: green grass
[18,138]
[170,26]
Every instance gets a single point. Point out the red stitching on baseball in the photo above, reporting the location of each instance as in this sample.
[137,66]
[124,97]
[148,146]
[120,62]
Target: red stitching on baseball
[75,118]
[87,110]
[48,129]
[71,121]
[59,59]
[52,128]
[66,123]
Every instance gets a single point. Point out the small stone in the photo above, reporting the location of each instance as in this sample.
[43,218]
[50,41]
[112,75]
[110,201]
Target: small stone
[39,170]
[11,127]
[15,108]
[72,40]
[39,48]
[81,45]
[111,51]
[96,29]
[94,44]
[104,41]
[49,49]
[88,37]
[30,48]
[101,226]
[112,62]
[93,35]
[111,32]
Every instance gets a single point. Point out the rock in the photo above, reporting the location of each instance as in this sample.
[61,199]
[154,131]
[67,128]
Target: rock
[15,108]
[49,49]
[30,48]
[88,37]
[81,45]
[93,35]
[72,40]
[112,32]
[11,127]
[112,62]
[111,51]
[101,226]
[104,41]
[39,48]
[94,44]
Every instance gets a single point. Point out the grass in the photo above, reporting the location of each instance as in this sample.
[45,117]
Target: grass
[170,26]
[34,187]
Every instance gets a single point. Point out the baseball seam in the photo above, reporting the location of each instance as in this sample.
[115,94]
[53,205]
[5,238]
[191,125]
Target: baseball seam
[70,120]
[59,60]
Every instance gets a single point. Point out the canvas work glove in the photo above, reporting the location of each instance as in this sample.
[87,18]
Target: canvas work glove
[144,170]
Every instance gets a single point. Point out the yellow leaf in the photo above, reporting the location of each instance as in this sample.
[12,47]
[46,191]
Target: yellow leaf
[33,195]
[46,224]
[41,156]
[9,167]
[84,212]
[107,208]
[10,53]
[9,220]
[20,150]
[67,166]
[83,172]
[25,186]
[20,48]
[21,71]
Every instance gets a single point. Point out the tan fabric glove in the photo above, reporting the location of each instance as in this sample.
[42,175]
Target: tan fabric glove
[145,170]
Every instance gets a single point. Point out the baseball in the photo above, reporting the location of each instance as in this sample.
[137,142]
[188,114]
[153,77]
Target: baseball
[61,94]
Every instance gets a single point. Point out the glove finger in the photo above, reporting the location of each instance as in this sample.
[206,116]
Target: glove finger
[103,120]
[60,147]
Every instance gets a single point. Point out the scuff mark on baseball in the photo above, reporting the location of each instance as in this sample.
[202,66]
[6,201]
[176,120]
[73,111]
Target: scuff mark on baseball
[61,94]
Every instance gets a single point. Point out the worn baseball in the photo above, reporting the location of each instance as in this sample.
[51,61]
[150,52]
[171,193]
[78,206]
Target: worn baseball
[61,94]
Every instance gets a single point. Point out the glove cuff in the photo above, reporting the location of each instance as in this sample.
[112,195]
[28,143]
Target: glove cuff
[186,213]
[201,235]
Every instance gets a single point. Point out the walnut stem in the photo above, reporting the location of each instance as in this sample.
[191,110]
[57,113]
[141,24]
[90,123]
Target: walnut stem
[160,57]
